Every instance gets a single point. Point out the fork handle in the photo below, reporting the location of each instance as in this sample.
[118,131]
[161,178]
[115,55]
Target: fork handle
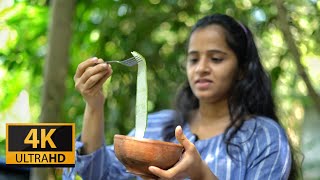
[105,62]
[111,62]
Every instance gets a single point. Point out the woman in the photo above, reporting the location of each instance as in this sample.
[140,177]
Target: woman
[224,116]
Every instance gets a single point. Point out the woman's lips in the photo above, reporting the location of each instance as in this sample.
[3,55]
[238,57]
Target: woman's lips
[203,83]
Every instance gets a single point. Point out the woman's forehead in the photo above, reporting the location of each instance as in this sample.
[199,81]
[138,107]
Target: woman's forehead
[207,38]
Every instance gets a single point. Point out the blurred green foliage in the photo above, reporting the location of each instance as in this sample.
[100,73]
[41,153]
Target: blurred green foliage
[158,29]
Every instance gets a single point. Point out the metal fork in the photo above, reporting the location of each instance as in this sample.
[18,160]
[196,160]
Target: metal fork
[128,62]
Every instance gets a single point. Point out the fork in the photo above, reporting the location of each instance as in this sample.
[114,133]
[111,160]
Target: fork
[128,62]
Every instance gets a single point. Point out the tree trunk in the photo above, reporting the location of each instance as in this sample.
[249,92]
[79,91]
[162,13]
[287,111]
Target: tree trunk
[55,72]
[294,50]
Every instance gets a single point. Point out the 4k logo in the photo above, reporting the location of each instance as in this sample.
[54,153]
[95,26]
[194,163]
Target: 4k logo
[40,145]
[32,138]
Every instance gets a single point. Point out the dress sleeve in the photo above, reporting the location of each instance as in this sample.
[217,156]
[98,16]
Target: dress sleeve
[101,164]
[270,157]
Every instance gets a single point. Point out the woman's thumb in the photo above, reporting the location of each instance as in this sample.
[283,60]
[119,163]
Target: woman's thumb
[183,140]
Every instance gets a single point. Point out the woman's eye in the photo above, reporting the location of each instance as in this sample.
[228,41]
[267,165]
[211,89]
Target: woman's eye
[216,60]
[193,60]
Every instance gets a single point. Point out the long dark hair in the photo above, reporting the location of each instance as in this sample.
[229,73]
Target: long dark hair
[250,95]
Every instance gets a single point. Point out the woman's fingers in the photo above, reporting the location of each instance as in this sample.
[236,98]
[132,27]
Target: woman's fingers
[90,76]
[190,165]
[157,171]
[172,173]
[105,77]
[92,70]
[98,86]
[95,77]
[179,169]
[84,65]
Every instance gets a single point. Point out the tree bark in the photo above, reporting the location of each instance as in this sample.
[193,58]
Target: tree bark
[55,72]
[294,50]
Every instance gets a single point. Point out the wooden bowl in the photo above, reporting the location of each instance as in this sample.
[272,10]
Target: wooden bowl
[138,154]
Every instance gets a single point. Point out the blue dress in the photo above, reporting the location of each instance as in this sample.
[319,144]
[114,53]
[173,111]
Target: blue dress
[262,152]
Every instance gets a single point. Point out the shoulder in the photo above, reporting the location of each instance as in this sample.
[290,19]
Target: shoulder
[262,135]
[265,147]
[268,140]
[264,128]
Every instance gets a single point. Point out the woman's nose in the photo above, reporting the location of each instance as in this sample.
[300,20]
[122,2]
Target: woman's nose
[203,66]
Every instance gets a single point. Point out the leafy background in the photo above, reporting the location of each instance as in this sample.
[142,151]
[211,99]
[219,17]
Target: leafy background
[157,29]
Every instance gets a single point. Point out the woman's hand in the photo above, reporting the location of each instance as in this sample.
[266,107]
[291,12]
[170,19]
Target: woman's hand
[190,165]
[89,78]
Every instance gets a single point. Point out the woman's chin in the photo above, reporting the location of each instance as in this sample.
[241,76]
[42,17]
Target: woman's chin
[208,98]
[205,98]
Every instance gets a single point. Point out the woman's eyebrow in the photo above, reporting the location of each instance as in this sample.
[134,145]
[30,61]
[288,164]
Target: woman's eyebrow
[217,51]
[194,52]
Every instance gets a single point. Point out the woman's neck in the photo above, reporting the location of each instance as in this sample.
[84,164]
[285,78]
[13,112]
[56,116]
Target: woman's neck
[213,112]
[211,119]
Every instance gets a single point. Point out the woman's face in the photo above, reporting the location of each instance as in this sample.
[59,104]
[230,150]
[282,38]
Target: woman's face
[211,65]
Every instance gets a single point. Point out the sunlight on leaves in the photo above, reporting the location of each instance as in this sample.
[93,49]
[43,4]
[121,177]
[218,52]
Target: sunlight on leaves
[5,4]
[154,1]
[94,36]
[19,112]
[243,4]
[205,6]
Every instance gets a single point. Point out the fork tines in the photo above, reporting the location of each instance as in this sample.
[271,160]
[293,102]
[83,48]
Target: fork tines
[131,61]
[138,59]
[128,62]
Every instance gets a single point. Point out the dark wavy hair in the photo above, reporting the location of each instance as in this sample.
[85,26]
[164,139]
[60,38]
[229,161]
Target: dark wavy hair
[250,95]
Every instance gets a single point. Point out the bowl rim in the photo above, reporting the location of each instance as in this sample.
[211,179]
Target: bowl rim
[145,140]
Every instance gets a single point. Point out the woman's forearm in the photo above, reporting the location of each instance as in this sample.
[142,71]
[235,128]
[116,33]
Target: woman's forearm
[92,129]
